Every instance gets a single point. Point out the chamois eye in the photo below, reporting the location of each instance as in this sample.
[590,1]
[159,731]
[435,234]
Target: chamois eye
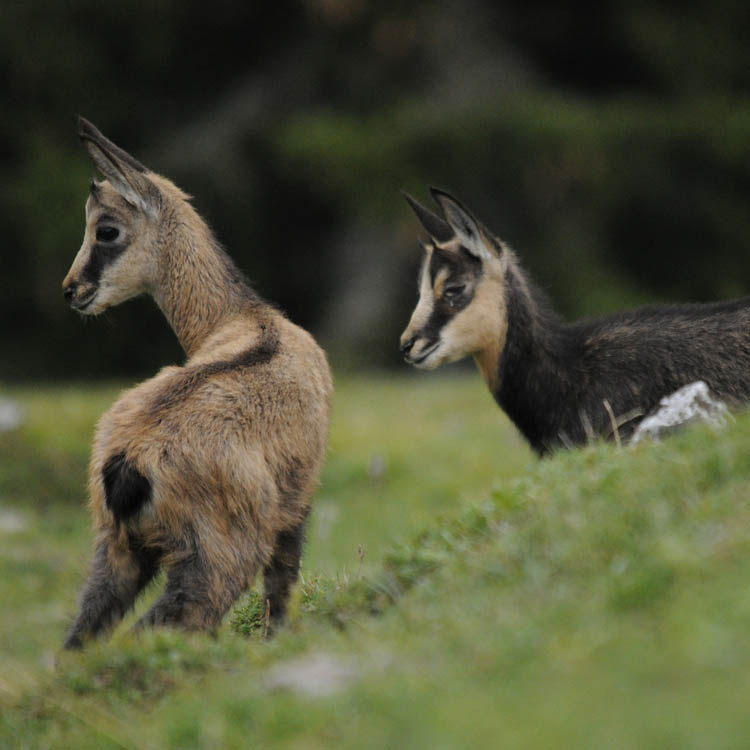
[451,292]
[107,234]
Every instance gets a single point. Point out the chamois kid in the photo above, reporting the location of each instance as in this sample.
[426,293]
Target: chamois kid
[205,470]
[561,383]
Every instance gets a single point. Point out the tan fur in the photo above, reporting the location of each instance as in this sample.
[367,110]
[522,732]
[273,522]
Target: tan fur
[228,440]
[480,329]
[215,448]
[489,321]
[440,279]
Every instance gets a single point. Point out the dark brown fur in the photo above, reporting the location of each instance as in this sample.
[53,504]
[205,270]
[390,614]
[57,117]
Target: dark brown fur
[207,470]
[561,383]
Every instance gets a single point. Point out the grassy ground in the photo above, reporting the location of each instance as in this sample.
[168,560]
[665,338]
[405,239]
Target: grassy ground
[596,599]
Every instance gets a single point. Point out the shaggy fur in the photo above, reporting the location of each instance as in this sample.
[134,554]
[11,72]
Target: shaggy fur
[562,383]
[206,470]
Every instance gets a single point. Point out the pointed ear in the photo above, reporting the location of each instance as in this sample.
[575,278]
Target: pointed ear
[126,174]
[472,234]
[433,224]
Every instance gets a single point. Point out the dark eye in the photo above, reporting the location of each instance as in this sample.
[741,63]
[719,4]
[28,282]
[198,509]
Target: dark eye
[107,234]
[453,291]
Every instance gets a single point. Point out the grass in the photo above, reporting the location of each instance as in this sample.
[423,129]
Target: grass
[596,599]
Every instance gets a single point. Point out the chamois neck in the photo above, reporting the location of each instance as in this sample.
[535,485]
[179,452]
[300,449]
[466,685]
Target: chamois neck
[533,360]
[534,328]
[200,288]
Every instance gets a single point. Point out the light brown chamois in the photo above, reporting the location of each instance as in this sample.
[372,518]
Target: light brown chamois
[562,383]
[206,470]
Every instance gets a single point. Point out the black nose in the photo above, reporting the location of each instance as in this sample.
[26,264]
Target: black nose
[69,292]
[407,345]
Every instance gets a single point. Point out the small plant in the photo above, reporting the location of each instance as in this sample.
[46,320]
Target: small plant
[249,618]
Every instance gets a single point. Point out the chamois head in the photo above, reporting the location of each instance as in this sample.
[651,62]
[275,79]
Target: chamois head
[461,308]
[119,257]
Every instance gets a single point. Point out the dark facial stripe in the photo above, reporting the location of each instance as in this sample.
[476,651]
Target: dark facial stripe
[463,267]
[442,312]
[460,262]
[438,319]
[101,256]
[194,377]
[439,260]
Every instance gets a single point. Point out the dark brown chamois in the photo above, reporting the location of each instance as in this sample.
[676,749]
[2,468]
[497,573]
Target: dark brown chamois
[206,470]
[562,383]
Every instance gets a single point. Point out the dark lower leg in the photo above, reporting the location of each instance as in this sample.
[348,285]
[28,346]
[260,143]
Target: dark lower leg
[117,576]
[194,598]
[281,573]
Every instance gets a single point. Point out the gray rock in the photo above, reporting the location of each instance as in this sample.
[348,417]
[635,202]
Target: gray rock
[11,415]
[690,403]
[315,675]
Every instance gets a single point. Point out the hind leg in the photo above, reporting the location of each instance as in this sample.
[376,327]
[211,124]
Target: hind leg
[281,572]
[196,596]
[118,574]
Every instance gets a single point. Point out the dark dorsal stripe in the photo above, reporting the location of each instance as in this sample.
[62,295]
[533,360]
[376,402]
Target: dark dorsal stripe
[195,376]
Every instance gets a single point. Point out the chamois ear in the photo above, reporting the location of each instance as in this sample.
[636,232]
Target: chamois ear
[468,230]
[433,224]
[126,174]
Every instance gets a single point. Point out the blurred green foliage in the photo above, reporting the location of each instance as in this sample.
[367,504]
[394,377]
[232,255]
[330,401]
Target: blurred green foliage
[610,148]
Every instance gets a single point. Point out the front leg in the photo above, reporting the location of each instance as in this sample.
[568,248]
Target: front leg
[119,572]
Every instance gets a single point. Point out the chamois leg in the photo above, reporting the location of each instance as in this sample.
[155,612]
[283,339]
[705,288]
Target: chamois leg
[118,574]
[195,597]
[281,572]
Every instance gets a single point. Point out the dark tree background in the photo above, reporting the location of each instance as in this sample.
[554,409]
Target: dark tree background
[611,148]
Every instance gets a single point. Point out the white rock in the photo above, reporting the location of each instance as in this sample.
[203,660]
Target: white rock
[690,403]
[11,414]
[317,675]
[11,522]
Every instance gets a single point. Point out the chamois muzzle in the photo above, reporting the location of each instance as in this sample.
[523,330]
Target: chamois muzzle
[417,348]
[79,296]
[406,347]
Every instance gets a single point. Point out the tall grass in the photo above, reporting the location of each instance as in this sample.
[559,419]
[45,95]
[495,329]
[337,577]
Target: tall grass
[456,592]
